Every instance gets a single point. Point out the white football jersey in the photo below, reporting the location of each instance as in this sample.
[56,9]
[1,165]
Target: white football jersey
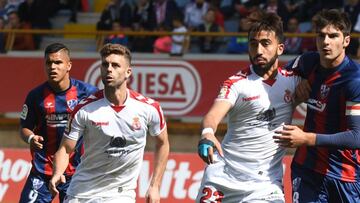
[114,142]
[259,107]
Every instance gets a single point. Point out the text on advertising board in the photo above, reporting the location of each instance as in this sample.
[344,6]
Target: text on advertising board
[175,84]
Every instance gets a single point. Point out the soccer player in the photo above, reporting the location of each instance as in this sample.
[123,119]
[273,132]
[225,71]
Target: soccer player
[43,120]
[114,124]
[258,100]
[326,165]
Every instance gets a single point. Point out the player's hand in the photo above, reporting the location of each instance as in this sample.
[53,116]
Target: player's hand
[206,148]
[153,195]
[54,181]
[36,142]
[302,91]
[292,136]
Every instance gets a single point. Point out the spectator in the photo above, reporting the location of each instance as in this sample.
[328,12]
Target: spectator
[144,20]
[115,10]
[144,15]
[293,44]
[22,41]
[209,44]
[308,9]
[180,43]
[163,43]
[219,17]
[5,8]
[352,8]
[309,43]
[165,11]
[239,44]
[118,38]
[194,14]
[278,7]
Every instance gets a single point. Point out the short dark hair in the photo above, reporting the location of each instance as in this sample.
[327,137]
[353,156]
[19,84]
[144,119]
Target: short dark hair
[334,17]
[56,47]
[263,21]
[115,49]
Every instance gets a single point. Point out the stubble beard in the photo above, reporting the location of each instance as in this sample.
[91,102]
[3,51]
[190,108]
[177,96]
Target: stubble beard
[261,70]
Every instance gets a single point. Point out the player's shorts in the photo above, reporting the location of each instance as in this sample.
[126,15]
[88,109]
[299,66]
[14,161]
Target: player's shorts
[36,189]
[310,187]
[127,196]
[218,185]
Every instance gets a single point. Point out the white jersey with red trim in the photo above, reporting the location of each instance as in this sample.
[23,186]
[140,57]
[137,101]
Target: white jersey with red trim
[114,142]
[259,107]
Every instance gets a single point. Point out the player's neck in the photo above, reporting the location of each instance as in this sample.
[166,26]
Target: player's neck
[61,85]
[116,96]
[332,63]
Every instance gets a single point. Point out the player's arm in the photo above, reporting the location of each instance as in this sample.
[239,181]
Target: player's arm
[28,136]
[293,136]
[61,161]
[162,149]
[209,124]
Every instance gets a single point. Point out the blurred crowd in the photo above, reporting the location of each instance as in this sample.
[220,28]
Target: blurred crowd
[179,16]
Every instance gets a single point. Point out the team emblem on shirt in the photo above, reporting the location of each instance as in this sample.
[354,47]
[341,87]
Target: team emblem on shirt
[324,91]
[287,96]
[24,112]
[37,183]
[136,125]
[72,103]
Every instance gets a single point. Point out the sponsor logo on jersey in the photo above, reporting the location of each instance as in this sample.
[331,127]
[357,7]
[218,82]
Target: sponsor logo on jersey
[72,103]
[49,105]
[116,147]
[324,91]
[251,98]
[316,104]
[100,123]
[136,125]
[57,119]
[267,115]
[24,112]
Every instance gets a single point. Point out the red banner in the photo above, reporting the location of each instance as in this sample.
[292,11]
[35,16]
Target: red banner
[184,87]
[180,183]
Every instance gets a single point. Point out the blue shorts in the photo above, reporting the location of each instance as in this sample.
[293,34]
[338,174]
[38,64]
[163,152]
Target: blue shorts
[36,189]
[311,187]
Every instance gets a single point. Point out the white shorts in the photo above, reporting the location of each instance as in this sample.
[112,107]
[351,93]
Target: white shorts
[125,196]
[219,186]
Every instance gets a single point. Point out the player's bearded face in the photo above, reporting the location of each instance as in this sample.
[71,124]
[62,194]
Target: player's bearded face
[264,68]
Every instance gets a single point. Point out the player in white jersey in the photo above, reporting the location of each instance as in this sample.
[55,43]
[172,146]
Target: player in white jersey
[247,165]
[114,123]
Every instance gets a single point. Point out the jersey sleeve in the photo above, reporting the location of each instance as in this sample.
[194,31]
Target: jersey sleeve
[28,117]
[157,121]
[304,64]
[76,125]
[229,91]
[351,137]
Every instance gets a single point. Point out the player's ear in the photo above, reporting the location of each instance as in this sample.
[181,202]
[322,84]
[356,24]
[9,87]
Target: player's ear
[128,72]
[346,41]
[280,49]
[69,65]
